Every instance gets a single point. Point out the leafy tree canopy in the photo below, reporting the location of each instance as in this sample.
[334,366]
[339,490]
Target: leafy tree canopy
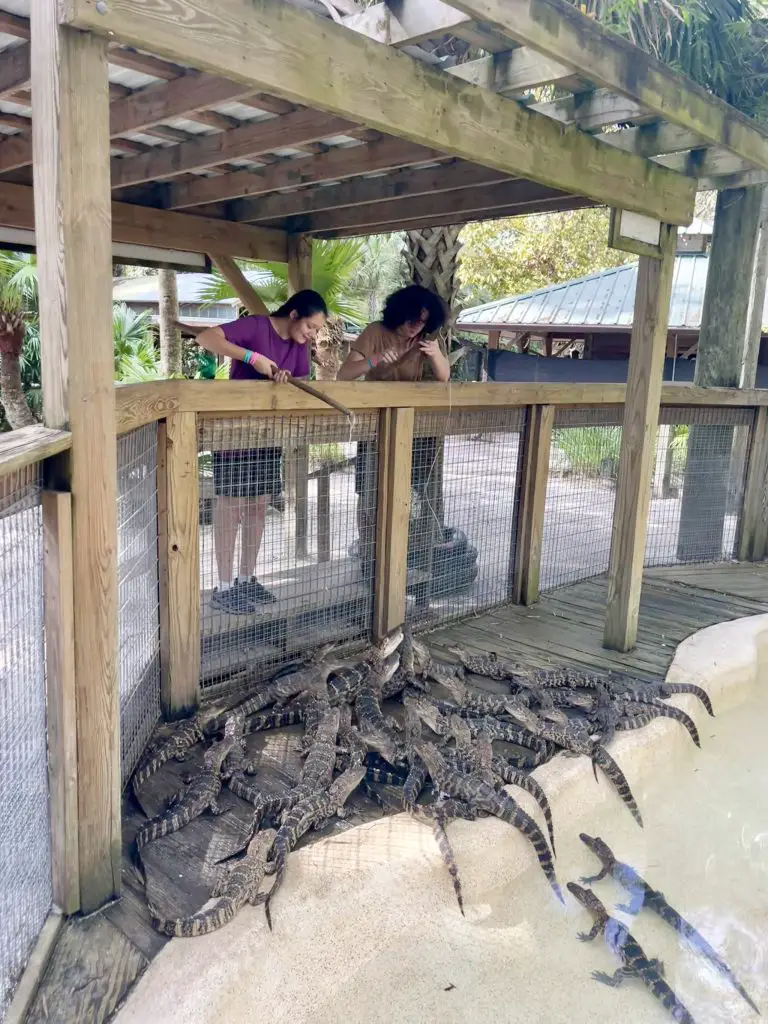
[508,257]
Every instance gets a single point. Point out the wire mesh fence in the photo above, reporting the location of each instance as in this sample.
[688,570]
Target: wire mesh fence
[25,857]
[698,485]
[287,537]
[581,492]
[464,501]
[138,593]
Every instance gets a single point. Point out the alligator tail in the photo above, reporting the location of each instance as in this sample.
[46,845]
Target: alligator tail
[446,852]
[531,786]
[615,775]
[668,689]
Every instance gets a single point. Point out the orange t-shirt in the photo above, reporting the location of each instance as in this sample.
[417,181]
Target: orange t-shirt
[375,339]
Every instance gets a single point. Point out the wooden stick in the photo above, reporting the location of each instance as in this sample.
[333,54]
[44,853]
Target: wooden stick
[303,386]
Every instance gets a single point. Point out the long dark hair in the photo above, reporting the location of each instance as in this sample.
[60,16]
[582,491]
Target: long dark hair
[304,304]
[406,304]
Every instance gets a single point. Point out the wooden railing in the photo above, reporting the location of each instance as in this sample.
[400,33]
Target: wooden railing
[178,407]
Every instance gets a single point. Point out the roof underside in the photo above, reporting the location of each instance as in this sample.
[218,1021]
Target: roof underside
[598,302]
[209,146]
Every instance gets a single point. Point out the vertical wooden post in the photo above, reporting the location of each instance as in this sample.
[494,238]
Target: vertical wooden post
[73,227]
[324,515]
[393,514]
[61,697]
[178,510]
[641,418]
[753,527]
[537,442]
[299,278]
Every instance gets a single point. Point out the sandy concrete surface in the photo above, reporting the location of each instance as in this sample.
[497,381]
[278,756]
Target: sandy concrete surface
[367,927]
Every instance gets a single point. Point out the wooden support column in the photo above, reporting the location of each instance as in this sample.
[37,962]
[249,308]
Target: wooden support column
[299,278]
[638,438]
[73,225]
[393,515]
[526,566]
[61,697]
[240,284]
[753,527]
[178,510]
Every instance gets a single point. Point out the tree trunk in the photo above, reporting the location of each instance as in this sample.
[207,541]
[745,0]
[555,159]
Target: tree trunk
[330,349]
[170,336]
[17,412]
[433,260]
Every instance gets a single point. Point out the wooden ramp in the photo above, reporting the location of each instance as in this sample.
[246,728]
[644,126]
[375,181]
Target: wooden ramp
[108,952]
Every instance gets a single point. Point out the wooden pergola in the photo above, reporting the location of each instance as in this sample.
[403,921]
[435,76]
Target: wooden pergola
[256,125]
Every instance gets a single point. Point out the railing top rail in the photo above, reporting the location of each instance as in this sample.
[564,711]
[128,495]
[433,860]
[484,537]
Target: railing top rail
[138,404]
[28,445]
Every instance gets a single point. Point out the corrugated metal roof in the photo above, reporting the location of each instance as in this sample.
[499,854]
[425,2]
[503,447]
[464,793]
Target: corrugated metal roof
[603,300]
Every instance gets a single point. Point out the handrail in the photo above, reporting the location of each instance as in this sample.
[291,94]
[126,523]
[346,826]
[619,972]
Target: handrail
[27,445]
[138,404]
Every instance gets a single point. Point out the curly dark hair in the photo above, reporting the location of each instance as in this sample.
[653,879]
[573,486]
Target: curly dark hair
[407,304]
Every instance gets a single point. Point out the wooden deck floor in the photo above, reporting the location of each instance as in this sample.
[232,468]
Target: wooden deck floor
[108,952]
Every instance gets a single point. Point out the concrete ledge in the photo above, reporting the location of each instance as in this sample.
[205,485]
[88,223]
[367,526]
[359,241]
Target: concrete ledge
[361,914]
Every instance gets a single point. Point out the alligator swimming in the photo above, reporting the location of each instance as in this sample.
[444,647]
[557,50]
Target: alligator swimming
[642,895]
[635,964]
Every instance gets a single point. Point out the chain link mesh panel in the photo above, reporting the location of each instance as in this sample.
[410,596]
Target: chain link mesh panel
[464,498]
[25,847]
[698,485]
[138,594]
[581,492]
[287,536]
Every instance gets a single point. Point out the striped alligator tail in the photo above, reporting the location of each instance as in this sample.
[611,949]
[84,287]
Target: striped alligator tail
[615,775]
[527,782]
[668,689]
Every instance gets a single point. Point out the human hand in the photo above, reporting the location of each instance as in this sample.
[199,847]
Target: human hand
[430,349]
[281,376]
[263,365]
[388,357]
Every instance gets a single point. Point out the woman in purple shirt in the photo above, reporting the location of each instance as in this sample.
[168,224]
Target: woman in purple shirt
[275,347]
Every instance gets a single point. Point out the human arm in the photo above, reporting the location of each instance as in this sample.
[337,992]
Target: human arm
[367,354]
[439,362]
[214,340]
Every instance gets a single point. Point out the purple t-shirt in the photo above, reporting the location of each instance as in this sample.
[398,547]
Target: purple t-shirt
[257,334]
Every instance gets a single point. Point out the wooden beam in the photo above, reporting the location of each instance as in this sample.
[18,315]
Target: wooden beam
[28,445]
[392,517]
[651,139]
[61,697]
[299,278]
[753,524]
[178,541]
[373,217]
[299,263]
[397,185]
[240,284]
[638,439]
[14,69]
[164,229]
[283,50]
[336,163]
[72,218]
[559,30]
[592,111]
[294,129]
[530,514]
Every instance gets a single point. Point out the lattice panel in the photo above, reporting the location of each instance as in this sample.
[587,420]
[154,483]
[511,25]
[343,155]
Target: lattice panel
[283,504]
[138,594]
[25,857]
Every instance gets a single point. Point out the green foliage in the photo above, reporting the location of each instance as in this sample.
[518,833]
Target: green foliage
[135,356]
[325,455]
[588,448]
[334,263]
[380,271]
[508,257]
[721,44]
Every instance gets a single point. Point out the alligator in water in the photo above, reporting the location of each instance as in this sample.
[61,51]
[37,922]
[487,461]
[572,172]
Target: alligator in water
[635,964]
[642,895]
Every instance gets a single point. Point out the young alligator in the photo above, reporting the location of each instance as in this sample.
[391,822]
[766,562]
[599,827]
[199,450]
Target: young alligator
[200,795]
[634,715]
[311,812]
[489,665]
[635,964]
[481,796]
[644,692]
[187,734]
[642,895]
[375,729]
[345,682]
[238,887]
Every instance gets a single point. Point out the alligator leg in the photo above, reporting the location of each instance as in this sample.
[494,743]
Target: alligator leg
[635,903]
[589,879]
[591,934]
[614,980]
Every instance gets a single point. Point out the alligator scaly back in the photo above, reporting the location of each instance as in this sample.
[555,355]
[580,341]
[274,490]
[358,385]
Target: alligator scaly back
[238,887]
[185,736]
[512,777]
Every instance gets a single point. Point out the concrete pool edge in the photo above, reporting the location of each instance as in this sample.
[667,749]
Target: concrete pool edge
[389,871]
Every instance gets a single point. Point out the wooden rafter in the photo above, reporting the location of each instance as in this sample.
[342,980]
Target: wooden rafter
[284,51]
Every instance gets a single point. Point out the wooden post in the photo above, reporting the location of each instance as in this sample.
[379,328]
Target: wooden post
[61,697]
[393,514]
[73,226]
[641,418]
[178,499]
[537,442]
[753,527]
[324,515]
[299,278]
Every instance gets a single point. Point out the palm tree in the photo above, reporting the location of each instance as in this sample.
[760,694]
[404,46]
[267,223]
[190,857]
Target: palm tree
[18,301]
[334,264]
[135,355]
[170,335]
